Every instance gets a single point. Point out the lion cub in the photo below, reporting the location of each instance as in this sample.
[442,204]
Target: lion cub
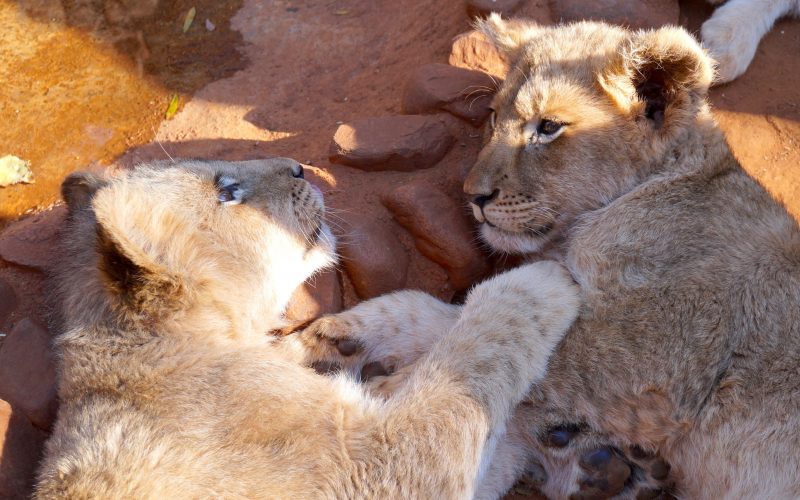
[170,387]
[681,374]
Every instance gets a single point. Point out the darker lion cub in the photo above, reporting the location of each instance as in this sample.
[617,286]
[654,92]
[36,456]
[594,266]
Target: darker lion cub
[170,387]
[681,375]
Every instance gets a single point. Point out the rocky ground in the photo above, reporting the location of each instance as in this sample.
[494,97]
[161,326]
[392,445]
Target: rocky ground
[385,99]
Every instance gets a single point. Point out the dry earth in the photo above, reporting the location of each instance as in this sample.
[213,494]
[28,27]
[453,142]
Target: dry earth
[86,84]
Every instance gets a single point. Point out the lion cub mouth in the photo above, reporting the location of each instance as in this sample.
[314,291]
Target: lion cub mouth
[530,239]
[526,229]
[520,229]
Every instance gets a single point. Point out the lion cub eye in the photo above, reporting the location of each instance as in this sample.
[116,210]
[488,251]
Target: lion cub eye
[228,191]
[549,127]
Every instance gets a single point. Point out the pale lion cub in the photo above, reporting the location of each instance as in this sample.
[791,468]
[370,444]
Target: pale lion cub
[681,375]
[170,387]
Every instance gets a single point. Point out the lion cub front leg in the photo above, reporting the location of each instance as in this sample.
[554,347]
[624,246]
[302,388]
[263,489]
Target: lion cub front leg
[733,33]
[377,337]
[453,410]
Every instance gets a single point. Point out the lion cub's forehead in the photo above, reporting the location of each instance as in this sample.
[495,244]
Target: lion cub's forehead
[555,74]
[146,191]
[168,183]
[558,97]
[579,48]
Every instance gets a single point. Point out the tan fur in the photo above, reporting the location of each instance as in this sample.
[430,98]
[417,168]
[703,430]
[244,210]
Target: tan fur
[688,344]
[170,387]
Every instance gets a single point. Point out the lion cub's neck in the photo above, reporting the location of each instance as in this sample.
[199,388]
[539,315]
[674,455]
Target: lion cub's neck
[97,347]
[698,148]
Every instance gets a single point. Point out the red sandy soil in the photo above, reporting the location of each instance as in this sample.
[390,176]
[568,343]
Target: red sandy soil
[86,86]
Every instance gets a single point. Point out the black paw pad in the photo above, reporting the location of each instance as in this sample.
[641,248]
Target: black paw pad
[560,435]
[326,367]
[606,474]
[640,453]
[347,347]
[659,469]
[597,459]
[373,369]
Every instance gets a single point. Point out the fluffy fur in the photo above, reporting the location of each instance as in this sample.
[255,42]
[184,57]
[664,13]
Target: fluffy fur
[732,34]
[687,349]
[171,388]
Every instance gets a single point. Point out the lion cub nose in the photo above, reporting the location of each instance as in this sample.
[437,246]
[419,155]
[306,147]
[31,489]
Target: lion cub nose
[483,199]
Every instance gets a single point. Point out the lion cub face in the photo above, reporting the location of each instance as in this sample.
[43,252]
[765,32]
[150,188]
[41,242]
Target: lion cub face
[227,241]
[586,112]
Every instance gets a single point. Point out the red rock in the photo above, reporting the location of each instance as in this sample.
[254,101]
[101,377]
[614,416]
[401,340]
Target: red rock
[404,142]
[21,446]
[321,294]
[8,301]
[27,373]
[33,241]
[373,256]
[632,13]
[443,231]
[440,87]
[482,8]
[472,50]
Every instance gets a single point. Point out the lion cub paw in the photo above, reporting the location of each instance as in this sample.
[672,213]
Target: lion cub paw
[330,346]
[342,342]
[732,40]
[607,472]
[379,336]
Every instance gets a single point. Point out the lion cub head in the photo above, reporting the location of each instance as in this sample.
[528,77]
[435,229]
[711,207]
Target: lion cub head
[587,111]
[197,247]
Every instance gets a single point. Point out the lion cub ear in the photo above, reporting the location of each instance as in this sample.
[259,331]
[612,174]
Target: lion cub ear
[79,188]
[134,278]
[127,254]
[507,36]
[662,75]
[119,269]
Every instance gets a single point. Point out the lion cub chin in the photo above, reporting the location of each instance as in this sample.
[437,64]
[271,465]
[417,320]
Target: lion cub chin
[170,387]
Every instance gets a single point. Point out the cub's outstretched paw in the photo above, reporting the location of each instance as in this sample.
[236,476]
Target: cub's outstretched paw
[378,336]
[543,295]
[331,346]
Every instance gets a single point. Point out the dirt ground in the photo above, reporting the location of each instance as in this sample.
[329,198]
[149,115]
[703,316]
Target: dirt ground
[86,84]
